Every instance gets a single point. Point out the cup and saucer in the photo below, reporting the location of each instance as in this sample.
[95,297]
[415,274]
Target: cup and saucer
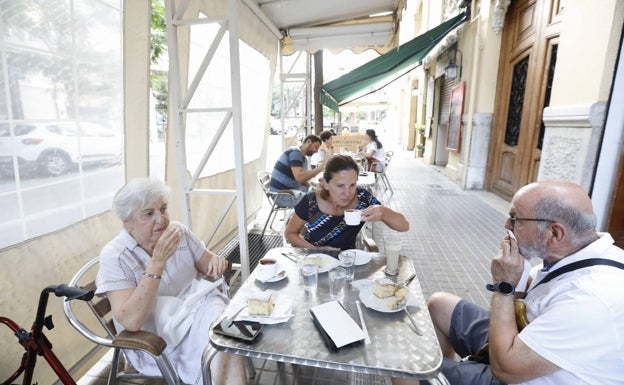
[270,271]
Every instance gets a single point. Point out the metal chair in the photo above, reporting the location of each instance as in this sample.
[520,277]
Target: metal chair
[380,169]
[264,179]
[100,330]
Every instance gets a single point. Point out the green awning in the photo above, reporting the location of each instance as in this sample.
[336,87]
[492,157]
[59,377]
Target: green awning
[396,62]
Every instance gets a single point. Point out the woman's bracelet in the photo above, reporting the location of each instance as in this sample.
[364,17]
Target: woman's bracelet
[153,276]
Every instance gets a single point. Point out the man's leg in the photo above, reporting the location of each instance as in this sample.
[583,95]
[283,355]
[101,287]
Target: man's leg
[441,306]
[466,332]
[460,330]
[284,200]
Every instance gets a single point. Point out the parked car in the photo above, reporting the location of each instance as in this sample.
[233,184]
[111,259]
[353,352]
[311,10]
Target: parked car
[57,147]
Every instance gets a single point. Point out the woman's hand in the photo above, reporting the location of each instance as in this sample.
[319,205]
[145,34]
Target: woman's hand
[166,244]
[373,213]
[212,265]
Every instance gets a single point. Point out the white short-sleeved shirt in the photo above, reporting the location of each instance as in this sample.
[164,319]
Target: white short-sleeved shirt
[577,319]
[122,263]
[379,154]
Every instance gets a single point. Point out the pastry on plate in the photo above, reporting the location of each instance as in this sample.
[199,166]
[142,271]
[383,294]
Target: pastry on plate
[313,260]
[260,304]
[384,288]
[398,300]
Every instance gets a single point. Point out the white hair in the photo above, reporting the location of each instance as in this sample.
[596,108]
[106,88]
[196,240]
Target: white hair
[136,194]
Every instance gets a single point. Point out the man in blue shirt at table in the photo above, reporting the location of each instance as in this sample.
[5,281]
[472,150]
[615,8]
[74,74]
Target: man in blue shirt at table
[290,171]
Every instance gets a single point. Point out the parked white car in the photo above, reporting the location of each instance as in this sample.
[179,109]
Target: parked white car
[57,147]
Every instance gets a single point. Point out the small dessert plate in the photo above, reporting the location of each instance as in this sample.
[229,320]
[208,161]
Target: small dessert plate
[282,312]
[327,262]
[371,301]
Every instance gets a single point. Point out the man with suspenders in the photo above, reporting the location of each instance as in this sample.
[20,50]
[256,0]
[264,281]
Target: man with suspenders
[573,299]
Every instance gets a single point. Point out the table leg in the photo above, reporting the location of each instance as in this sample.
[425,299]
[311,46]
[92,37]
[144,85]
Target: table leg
[209,354]
[440,379]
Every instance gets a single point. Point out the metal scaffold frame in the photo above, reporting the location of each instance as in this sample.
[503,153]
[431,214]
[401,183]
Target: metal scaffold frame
[303,80]
[180,100]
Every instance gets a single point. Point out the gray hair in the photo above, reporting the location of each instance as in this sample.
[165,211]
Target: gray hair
[580,224]
[136,194]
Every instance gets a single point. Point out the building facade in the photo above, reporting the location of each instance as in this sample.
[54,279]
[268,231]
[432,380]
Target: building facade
[531,95]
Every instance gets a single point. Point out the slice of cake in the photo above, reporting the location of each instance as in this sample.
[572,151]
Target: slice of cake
[401,293]
[260,304]
[398,301]
[384,288]
[313,260]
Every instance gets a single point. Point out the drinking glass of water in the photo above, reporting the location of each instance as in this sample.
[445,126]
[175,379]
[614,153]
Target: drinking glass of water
[310,276]
[337,282]
[347,261]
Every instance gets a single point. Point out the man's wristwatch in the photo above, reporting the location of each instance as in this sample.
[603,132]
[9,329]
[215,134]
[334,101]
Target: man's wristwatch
[505,288]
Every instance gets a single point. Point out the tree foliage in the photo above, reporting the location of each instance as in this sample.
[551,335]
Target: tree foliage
[159,79]
[159,31]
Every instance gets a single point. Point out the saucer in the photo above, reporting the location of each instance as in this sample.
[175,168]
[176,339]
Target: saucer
[277,277]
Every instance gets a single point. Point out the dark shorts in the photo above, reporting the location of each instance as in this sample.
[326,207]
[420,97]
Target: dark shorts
[469,333]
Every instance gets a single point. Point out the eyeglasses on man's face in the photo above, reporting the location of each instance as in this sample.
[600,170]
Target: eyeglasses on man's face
[513,220]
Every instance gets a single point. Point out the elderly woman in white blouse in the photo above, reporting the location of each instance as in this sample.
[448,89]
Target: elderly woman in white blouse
[149,271]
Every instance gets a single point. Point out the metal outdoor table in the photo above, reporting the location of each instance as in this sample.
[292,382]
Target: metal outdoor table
[366,179]
[358,158]
[395,349]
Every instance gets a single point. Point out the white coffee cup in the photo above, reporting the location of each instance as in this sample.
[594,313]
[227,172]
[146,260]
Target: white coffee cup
[267,268]
[353,217]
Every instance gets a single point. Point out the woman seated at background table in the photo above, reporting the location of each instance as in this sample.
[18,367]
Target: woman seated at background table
[326,150]
[149,271]
[318,221]
[373,151]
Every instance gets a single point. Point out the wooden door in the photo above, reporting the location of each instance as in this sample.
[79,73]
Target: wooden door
[616,217]
[526,68]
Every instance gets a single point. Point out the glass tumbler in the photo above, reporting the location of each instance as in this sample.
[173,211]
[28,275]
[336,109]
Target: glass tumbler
[337,282]
[393,247]
[347,261]
[310,277]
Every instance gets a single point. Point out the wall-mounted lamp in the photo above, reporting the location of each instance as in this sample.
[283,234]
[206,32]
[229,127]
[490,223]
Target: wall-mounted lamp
[453,70]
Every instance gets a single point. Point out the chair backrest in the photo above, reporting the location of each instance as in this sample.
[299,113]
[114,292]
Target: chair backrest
[95,322]
[264,179]
[389,155]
